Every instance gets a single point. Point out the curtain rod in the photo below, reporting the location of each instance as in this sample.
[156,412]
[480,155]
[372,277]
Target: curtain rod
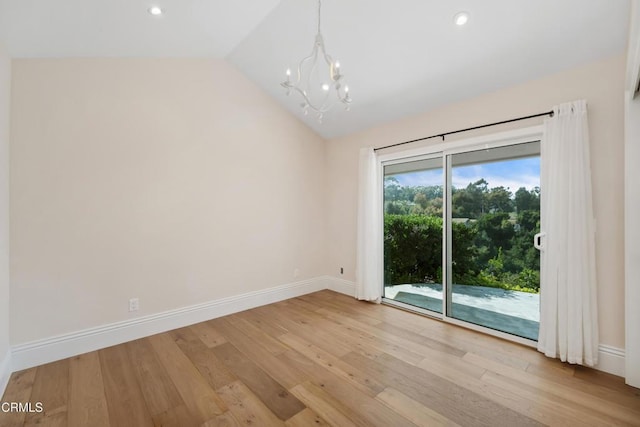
[442,135]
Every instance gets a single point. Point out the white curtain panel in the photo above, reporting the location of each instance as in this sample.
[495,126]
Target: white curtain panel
[568,306]
[369,244]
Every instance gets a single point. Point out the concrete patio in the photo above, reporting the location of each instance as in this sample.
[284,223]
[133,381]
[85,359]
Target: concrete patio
[514,312]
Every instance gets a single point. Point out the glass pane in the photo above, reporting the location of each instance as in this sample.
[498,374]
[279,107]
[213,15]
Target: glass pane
[413,233]
[495,212]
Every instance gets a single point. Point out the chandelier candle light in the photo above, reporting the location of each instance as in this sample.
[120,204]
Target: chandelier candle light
[316,84]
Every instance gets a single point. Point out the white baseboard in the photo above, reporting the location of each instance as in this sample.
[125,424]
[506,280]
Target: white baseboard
[23,356]
[62,346]
[5,372]
[611,360]
[340,285]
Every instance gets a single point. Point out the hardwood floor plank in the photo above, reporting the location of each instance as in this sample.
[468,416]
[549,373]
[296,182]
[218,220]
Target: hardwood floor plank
[271,393]
[414,411]
[208,334]
[246,407]
[451,368]
[177,416]
[264,322]
[310,303]
[306,418]
[333,411]
[404,319]
[360,336]
[202,401]
[614,412]
[434,344]
[285,375]
[520,404]
[225,420]
[549,404]
[619,392]
[87,399]
[605,380]
[157,387]
[558,370]
[18,390]
[363,408]
[468,341]
[443,396]
[512,354]
[303,326]
[363,382]
[125,401]
[412,342]
[304,303]
[626,409]
[51,387]
[203,358]
[272,345]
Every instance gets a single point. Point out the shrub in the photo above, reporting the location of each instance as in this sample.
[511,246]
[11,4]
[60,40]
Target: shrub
[413,249]
[413,254]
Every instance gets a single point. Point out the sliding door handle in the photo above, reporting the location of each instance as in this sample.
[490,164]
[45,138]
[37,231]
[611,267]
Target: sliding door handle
[537,241]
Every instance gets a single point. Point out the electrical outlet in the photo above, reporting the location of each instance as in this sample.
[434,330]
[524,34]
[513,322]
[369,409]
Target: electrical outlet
[341,270]
[296,272]
[134,304]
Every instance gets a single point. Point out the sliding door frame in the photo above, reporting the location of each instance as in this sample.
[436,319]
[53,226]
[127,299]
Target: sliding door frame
[445,150]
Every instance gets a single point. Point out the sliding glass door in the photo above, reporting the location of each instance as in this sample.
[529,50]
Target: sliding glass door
[494,215]
[458,236]
[413,231]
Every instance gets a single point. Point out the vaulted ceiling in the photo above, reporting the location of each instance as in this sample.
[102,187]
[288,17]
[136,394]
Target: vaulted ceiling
[400,57]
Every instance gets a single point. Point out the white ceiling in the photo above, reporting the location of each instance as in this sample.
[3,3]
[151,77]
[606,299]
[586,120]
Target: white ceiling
[399,57]
[93,28]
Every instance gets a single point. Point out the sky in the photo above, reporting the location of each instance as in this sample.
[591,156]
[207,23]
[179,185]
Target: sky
[511,174]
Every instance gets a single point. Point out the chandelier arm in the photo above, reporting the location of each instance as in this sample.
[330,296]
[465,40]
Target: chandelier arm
[311,56]
[322,109]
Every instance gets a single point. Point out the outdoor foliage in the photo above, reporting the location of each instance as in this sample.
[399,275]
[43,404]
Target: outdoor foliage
[493,232]
[413,248]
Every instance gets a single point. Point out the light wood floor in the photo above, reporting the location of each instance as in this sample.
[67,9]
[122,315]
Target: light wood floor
[321,359]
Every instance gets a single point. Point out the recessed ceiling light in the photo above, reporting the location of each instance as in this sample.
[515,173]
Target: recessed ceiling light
[155,10]
[461,18]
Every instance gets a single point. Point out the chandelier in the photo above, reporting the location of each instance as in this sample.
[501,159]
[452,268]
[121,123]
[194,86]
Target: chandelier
[318,80]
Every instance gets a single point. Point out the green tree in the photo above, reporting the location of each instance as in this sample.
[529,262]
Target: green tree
[392,188]
[421,200]
[527,200]
[499,199]
[495,231]
[529,220]
[522,254]
[471,201]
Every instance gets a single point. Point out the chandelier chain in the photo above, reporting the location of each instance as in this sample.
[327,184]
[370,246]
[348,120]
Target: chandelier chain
[319,14]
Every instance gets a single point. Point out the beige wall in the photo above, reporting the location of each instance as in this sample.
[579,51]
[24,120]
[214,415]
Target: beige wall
[600,83]
[5,85]
[632,233]
[176,181]
[632,201]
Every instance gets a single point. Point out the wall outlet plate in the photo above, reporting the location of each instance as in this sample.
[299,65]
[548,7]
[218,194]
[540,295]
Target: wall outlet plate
[134,304]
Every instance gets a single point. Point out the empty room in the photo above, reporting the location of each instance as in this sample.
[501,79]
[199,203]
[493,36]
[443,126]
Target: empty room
[319,213]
